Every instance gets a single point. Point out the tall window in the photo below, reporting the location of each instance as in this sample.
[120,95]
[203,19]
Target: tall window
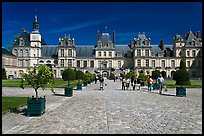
[104,53]
[99,54]
[85,64]
[138,52]
[119,64]
[110,64]
[21,53]
[62,63]
[15,52]
[92,64]
[188,53]
[153,63]
[147,63]
[173,63]
[138,63]
[69,52]
[188,63]
[99,64]
[110,54]
[69,63]
[26,63]
[62,52]
[20,63]
[146,52]
[163,63]
[26,53]
[193,53]
[61,71]
[78,63]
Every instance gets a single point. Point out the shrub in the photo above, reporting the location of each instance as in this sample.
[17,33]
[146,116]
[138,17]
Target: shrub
[155,74]
[142,77]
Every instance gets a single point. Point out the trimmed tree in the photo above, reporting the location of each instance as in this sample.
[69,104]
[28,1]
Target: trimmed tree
[4,74]
[68,75]
[155,74]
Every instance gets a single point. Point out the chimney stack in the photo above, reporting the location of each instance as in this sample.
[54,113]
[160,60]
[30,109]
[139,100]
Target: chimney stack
[113,36]
[162,44]
[98,37]
[198,34]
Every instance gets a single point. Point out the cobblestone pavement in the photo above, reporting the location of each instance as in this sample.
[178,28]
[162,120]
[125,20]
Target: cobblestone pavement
[109,111]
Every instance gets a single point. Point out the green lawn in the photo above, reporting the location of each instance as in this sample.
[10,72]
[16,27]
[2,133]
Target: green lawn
[12,102]
[58,83]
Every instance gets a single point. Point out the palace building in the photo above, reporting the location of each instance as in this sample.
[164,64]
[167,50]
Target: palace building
[30,49]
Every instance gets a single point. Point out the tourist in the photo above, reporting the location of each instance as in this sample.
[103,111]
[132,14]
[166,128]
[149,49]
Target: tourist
[123,83]
[101,80]
[160,81]
[149,82]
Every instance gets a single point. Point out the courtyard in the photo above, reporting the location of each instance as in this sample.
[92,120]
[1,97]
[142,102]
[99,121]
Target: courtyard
[109,111]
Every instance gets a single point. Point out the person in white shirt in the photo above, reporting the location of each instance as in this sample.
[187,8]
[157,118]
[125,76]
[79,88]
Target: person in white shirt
[160,81]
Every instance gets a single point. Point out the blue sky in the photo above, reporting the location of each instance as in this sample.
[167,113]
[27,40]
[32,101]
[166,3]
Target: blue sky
[82,20]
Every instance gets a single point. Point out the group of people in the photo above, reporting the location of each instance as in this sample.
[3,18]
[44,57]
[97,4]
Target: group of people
[134,82]
[159,83]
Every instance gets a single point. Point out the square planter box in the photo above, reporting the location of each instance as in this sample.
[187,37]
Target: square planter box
[68,91]
[79,86]
[35,106]
[180,91]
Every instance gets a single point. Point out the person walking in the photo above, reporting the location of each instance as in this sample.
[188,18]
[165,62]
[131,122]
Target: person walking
[101,80]
[149,82]
[160,81]
[127,83]
[123,83]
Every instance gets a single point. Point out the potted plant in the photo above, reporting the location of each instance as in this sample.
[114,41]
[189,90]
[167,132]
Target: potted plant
[182,77]
[37,77]
[79,76]
[68,75]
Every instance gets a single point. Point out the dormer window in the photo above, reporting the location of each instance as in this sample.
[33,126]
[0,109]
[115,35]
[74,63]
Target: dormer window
[21,42]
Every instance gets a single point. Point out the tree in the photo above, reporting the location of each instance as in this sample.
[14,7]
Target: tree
[4,74]
[155,74]
[68,75]
[142,76]
[182,76]
[79,75]
[37,77]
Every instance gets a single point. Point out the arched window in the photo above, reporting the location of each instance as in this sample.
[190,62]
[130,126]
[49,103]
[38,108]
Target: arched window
[15,52]
[48,61]
[26,53]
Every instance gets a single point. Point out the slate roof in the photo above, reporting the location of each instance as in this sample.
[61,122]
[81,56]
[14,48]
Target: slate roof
[6,52]
[49,51]
[85,51]
[192,37]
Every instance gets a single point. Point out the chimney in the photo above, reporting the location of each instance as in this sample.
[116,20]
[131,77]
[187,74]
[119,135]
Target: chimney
[198,34]
[98,36]
[113,36]
[143,32]
[162,44]
[185,35]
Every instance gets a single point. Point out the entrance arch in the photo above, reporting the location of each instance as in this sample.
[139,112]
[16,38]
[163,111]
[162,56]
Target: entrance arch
[105,74]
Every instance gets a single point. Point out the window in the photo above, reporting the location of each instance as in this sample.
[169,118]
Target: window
[188,53]
[147,63]
[188,63]
[193,53]
[78,63]
[110,64]
[69,52]
[20,63]
[163,63]
[138,52]
[37,52]
[119,64]
[85,64]
[21,53]
[99,64]
[69,63]
[104,54]
[26,63]
[99,54]
[92,64]
[61,72]
[153,63]
[138,63]
[173,63]
[62,52]
[110,54]
[15,52]
[146,52]
[26,53]
[62,63]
